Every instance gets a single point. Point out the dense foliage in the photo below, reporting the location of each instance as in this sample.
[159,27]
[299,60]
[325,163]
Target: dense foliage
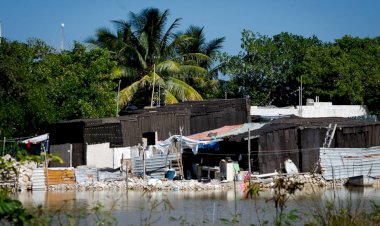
[269,70]
[39,86]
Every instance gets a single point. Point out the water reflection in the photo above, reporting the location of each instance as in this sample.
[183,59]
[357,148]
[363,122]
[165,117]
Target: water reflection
[132,207]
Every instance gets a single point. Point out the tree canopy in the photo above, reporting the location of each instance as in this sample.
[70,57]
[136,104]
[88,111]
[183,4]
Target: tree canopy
[40,87]
[269,69]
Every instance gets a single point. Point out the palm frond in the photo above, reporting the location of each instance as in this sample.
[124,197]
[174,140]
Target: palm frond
[127,93]
[182,90]
[169,32]
[198,56]
[193,69]
[214,46]
[168,66]
[170,98]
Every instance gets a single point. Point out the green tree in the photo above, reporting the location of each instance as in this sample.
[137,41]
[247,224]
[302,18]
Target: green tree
[39,87]
[344,72]
[267,69]
[25,108]
[147,50]
[81,82]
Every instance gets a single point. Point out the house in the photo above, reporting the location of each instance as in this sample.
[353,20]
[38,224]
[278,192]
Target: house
[101,142]
[312,109]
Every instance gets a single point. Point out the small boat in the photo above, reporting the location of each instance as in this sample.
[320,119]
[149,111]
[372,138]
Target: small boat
[361,180]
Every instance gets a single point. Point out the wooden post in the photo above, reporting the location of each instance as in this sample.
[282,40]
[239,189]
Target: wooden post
[180,151]
[126,175]
[249,152]
[71,155]
[143,164]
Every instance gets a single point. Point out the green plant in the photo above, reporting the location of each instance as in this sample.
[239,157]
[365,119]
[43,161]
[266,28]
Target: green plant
[284,187]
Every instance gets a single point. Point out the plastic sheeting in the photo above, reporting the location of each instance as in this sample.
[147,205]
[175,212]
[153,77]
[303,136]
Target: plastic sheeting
[186,143]
[37,139]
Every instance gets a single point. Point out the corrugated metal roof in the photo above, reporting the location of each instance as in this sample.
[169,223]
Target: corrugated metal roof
[299,122]
[341,163]
[225,131]
[215,133]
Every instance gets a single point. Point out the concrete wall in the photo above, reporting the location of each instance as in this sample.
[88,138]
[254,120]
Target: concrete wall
[101,155]
[313,110]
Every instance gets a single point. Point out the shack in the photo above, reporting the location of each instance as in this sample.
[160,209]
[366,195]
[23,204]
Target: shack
[101,142]
[273,142]
[300,139]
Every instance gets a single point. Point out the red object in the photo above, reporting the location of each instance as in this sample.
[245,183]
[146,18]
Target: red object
[28,146]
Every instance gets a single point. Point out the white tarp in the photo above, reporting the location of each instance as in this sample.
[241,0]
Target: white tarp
[37,139]
[186,143]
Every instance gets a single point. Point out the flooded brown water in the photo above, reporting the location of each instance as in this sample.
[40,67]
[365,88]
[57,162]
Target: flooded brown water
[198,207]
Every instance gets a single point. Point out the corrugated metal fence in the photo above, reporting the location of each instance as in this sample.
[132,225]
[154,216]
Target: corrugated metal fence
[340,163]
[86,175]
[153,166]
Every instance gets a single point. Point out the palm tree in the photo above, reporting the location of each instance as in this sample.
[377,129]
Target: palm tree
[198,46]
[147,51]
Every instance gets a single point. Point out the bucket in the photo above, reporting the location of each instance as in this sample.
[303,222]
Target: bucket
[170,174]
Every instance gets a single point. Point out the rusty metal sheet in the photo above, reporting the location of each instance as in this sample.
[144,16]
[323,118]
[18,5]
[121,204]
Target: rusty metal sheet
[341,163]
[58,176]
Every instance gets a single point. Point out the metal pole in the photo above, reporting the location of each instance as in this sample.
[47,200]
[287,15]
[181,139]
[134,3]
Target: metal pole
[301,98]
[159,94]
[249,151]
[63,37]
[235,195]
[117,99]
[154,74]
[71,155]
[144,163]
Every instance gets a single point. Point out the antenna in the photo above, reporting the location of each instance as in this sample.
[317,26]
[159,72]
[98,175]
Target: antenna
[63,37]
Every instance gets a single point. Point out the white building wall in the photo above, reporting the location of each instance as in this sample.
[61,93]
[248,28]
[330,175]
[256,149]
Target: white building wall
[101,155]
[270,111]
[120,153]
[326,109]
[313,110]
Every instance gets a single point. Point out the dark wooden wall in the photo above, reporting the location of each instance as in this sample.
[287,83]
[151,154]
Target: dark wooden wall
[70,132]
[358,137]
[310,140]
[276,147]
[193,116]
[218,114]
[101,133]
[133,127]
